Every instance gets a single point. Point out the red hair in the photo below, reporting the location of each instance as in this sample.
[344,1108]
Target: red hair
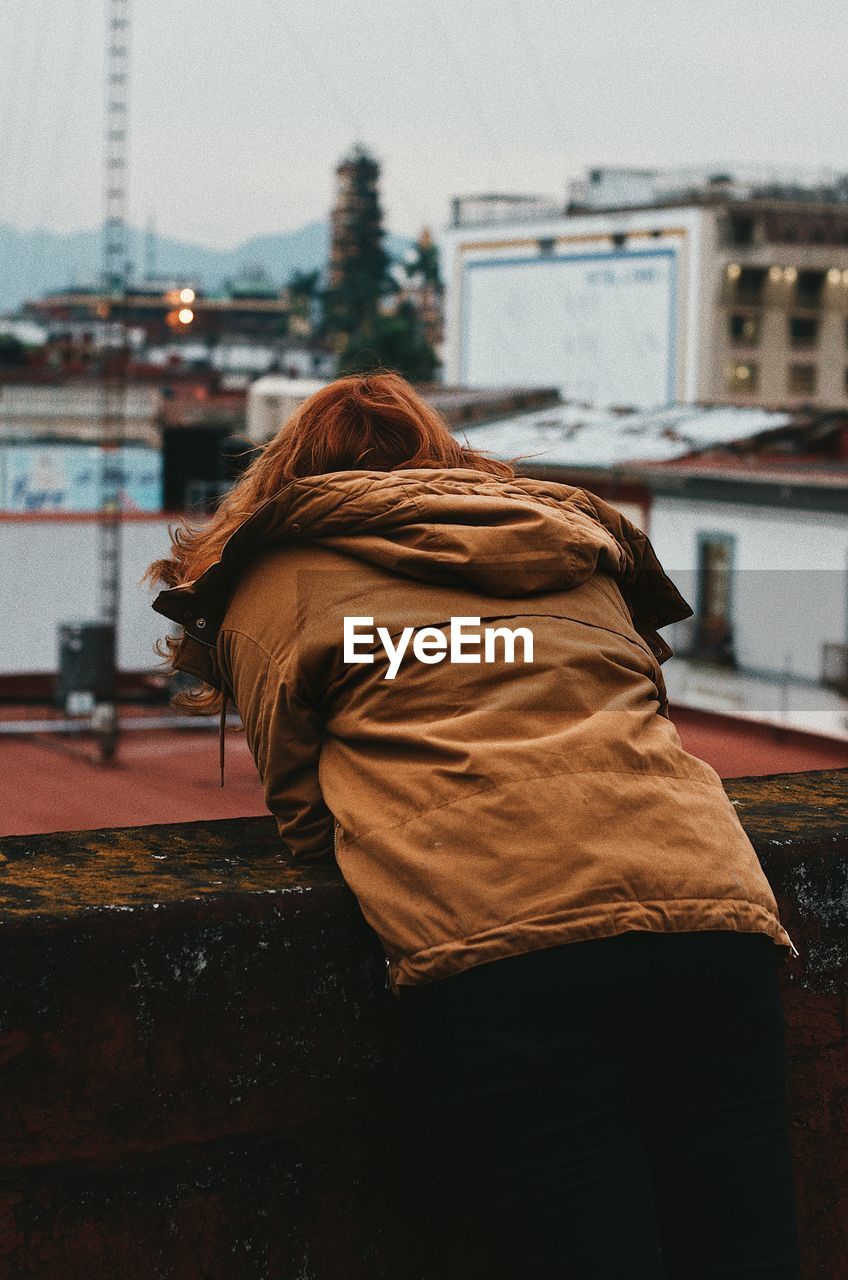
[368,422]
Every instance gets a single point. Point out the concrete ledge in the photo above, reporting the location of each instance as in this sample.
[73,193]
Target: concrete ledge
[202,1073]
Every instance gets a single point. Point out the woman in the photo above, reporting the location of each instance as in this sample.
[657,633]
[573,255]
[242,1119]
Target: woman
[450,682]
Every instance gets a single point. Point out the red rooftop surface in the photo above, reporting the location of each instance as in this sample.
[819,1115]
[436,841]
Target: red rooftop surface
[54,783]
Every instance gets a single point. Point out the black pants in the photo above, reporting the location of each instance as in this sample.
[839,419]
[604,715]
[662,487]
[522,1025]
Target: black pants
[616,1107]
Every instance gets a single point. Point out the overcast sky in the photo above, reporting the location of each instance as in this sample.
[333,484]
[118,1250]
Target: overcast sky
[240,109]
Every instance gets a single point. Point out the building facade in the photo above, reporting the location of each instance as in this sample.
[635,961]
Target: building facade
[714,293]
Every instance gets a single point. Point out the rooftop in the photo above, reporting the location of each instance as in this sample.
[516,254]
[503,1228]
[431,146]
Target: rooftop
[139,788]
[574,436]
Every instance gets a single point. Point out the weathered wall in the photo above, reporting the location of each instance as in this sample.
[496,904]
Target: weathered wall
[50,576]
[202,1075]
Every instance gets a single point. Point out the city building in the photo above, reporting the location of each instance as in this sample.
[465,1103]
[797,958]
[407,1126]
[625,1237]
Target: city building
[162,311]
[420,282]
[356,242]
[72,409]
[49,527]
[747,510]
[271,399]
[646,289]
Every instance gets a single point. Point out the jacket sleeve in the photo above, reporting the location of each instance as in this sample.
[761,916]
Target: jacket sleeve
[284,736]
[651,597]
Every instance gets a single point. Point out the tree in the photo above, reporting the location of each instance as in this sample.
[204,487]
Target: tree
[304,298]
[13,354]
[396,341]
[423,264]
[371,318]
[359,270]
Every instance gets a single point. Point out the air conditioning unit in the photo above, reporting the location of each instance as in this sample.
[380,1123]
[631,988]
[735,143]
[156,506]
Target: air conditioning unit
[835,667]
[86,670]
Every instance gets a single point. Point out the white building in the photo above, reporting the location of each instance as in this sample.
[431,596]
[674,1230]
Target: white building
[271,399]
[758,548]
[761,553]
[51,576]
[556,303]
[652,293]
[73,411]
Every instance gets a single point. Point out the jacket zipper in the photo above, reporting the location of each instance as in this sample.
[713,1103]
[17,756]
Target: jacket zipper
[793,950]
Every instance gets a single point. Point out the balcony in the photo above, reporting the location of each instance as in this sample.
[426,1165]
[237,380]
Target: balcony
[203,1075]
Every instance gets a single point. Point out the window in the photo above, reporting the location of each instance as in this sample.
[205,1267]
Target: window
[741,228]
[808,288]
[742,377]
[801,379]
[713,629]
[750,284]
[744,330]
[803,331]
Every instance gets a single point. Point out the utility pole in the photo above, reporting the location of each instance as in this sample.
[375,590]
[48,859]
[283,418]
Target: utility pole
[114,363]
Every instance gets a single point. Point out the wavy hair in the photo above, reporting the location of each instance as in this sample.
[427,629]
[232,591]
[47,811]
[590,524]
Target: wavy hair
[370,422]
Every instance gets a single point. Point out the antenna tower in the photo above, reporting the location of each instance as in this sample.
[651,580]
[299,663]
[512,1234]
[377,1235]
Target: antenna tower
[114,361]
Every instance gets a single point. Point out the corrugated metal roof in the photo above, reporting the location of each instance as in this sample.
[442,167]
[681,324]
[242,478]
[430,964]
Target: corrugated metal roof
[571,436]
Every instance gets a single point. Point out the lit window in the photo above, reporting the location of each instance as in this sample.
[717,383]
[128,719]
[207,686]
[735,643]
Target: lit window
[744,330]
[801,379]
[803,331]
[742,377]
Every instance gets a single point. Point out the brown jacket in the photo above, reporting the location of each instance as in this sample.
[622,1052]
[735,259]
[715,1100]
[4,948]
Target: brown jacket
[475,809]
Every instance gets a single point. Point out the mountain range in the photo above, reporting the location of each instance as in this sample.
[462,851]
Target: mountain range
[36,262]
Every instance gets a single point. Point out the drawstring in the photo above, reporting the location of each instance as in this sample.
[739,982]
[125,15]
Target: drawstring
[221,728]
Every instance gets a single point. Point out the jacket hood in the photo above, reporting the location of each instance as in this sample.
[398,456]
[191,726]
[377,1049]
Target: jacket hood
[506,537]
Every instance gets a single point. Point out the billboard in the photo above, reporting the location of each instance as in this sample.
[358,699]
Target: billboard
[600,326]
[69,477]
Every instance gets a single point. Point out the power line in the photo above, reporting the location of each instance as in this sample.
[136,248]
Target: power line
[538,76]
[56,157]
[14,79]
[18,173]
[478,117]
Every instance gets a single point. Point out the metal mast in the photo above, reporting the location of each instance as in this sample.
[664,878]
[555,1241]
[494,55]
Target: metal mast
[114,359]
